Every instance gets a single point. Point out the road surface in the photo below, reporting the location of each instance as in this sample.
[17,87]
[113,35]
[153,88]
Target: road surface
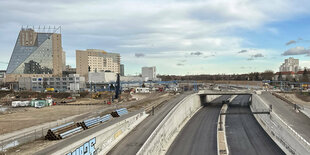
[298,121]
[131,144]
[198,137]
[245,135]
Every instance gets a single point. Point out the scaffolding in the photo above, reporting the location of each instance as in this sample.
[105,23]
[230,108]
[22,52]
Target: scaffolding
[43,29]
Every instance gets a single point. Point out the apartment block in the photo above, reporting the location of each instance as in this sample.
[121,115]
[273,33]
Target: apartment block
[94,60]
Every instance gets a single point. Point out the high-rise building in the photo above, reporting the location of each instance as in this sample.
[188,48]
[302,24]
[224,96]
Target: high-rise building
[94,60]
[149,73]
[37,53]
[63,60]
[122,70]
[290,65]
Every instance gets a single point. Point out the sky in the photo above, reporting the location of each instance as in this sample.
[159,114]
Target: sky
[179,37]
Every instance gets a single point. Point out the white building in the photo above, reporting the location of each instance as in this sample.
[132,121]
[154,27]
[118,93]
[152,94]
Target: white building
[102,77]
[290,65]
[149,73]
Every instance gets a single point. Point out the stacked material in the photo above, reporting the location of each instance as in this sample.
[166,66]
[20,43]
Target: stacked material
[63,131]
[71,128]
[71,132]
[94,121]
[119,112]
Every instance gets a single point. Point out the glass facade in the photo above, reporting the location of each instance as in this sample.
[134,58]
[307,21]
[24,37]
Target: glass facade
[36,59]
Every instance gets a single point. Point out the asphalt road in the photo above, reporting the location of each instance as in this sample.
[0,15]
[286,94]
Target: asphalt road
[131,144]
[298,121]
[198,136]
[245,135]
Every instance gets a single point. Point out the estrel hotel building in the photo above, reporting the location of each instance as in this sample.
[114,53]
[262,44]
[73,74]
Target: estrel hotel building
[94,60]
[37,53]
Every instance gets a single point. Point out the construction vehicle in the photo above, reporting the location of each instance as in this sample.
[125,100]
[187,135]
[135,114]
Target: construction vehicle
[49,90]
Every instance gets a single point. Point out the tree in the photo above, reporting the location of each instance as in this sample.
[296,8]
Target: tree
[280,78]
[267,75]
[305,77]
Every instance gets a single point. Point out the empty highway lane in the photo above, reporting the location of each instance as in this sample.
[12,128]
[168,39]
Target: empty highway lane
[198,137]
[245,135]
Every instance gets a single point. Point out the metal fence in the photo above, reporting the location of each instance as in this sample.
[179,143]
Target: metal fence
[27,137]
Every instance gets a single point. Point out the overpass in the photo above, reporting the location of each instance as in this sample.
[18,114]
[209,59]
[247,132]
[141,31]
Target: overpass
[204,93]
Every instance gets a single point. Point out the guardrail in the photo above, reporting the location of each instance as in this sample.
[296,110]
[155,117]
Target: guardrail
[296,106]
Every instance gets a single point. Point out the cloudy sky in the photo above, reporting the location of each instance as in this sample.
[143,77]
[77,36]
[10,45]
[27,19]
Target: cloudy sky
[177,36]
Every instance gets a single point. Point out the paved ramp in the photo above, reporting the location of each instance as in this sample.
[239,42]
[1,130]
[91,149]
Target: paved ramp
[245,135]
[198,137]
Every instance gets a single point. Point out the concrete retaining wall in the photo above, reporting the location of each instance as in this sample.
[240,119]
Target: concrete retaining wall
[283,135]
[162,137]
[103,141]
[222,147]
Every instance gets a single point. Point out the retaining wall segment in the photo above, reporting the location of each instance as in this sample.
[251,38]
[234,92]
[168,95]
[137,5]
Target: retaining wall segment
[281,133]
[163,136]
[222,147]
[103,141]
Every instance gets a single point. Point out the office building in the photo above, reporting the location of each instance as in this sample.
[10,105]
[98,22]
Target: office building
[37,53]
[149,73]
[94,60]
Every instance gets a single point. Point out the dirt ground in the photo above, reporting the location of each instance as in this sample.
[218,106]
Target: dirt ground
[32,147]
[23,117]
[296,98]
[26,117]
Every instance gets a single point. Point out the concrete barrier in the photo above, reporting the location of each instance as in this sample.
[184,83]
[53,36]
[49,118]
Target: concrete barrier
[99,142]
[222,147]
[281,133]
[163,136]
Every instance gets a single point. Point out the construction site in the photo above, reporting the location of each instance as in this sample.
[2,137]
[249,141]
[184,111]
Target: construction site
[23,120]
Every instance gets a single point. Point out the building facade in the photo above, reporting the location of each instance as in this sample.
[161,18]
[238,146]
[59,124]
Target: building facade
[101,77]
[73,82]
[122,70]
[94,60]
[149,73]
[2,76]
[290,65]
[36,53]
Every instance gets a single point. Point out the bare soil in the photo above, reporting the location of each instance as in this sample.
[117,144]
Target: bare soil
[65,111]
[27,117]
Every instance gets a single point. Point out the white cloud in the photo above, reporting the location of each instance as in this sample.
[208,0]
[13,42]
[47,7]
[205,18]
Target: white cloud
[297,51]
[156,29]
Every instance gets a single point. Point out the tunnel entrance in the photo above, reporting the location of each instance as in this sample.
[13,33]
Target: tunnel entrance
[228,97]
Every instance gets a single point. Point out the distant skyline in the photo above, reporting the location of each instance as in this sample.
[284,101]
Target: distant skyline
[178,37]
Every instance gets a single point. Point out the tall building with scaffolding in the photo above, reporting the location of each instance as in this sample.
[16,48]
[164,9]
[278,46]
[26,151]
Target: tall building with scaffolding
[37,53]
